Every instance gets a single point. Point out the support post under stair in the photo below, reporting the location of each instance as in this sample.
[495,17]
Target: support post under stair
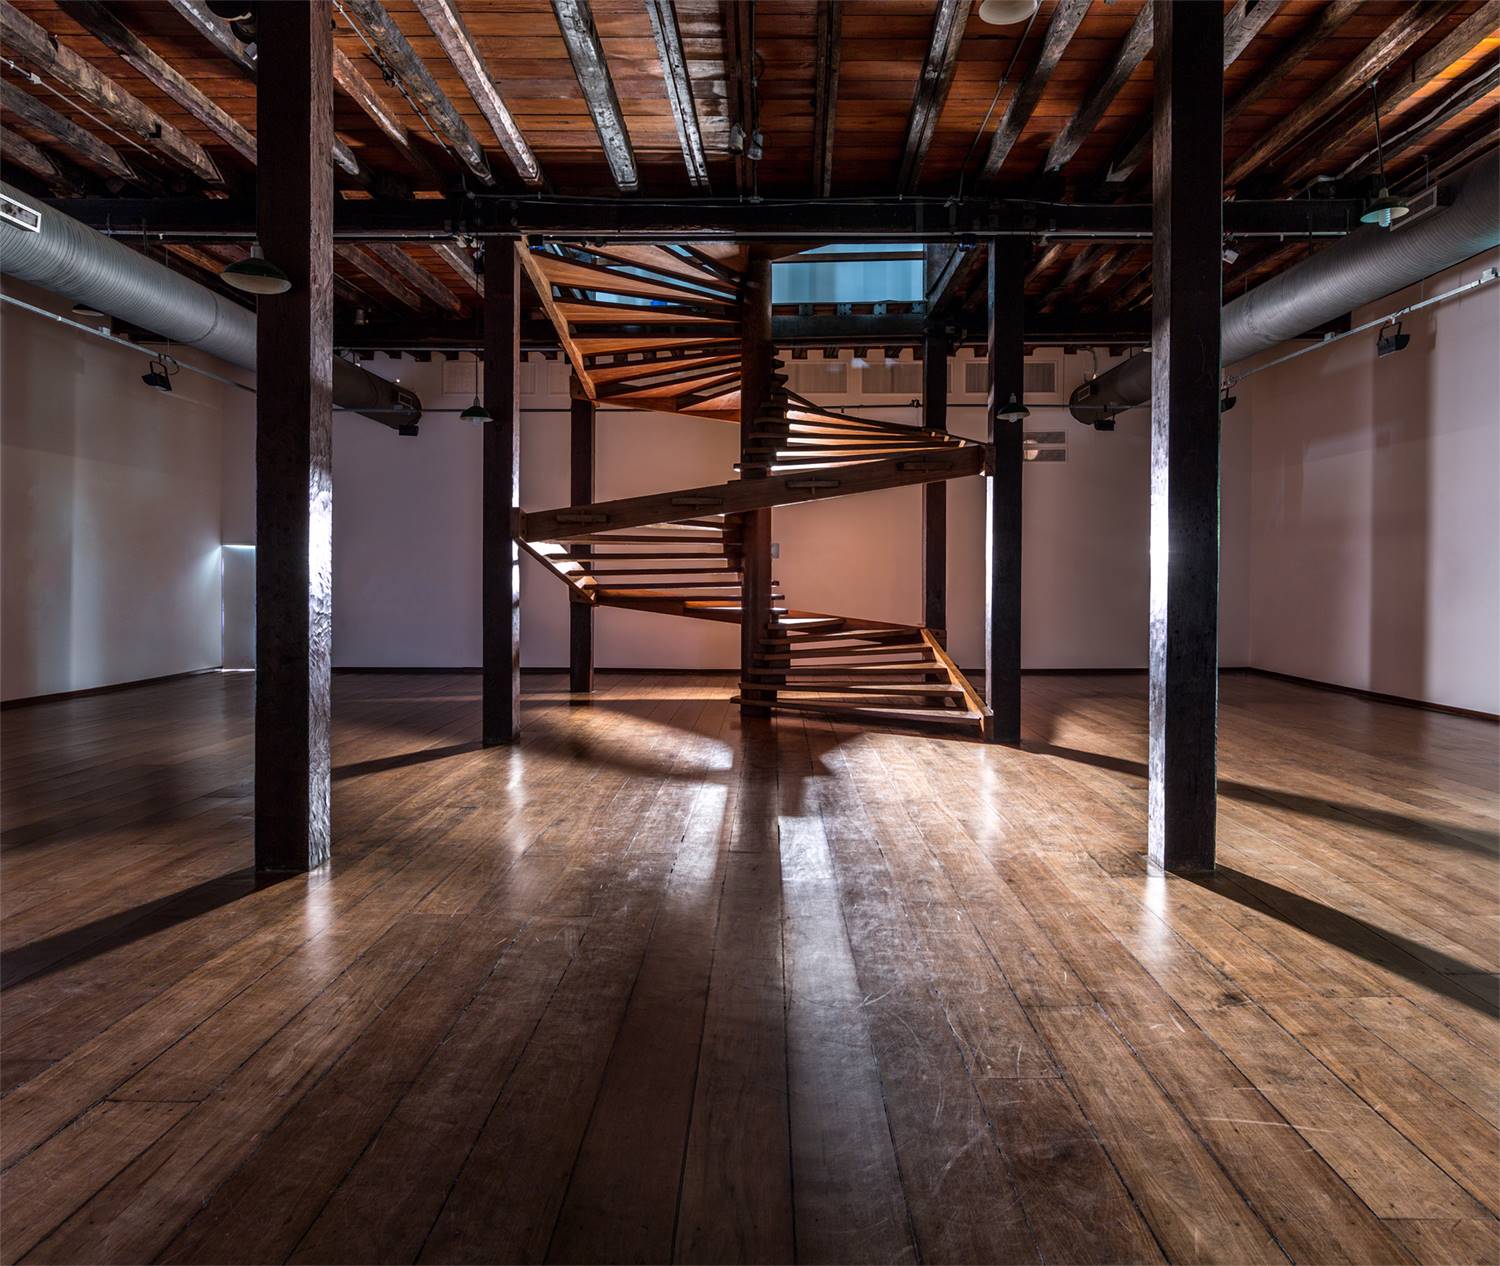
[935,495]
[581,477]
[756,356]
[1002,590]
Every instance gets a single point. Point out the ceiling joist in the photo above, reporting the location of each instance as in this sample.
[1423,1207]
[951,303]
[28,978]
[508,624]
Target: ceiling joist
[458,45]
[34,113]
[933,83]
[679,89]
[575,19]
[1127,57]
[1065,20]
[826,95]
[27,40]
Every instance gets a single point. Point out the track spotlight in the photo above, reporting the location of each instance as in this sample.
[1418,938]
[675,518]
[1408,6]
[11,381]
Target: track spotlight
[1014,411]
[257,276]
[1395,341]
[159,375]
[1229,254]
[1228,402]
[1007,12]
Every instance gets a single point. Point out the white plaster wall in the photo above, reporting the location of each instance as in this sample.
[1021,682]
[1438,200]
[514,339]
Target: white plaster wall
[1373,528]
[109,514]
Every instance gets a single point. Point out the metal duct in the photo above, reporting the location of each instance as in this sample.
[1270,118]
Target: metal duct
[1369,263]
[72,260]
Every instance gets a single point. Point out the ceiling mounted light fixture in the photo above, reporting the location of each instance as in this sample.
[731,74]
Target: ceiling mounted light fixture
[1385,210]
[1007,12]
[256,275]
[476,412]
[1014,411]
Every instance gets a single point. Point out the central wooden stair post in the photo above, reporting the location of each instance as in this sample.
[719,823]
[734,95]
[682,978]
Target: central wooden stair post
[756,356]
[581,476]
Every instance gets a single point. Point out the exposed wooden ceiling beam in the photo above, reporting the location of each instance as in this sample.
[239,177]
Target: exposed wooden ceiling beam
[445,22]
[1469,93]
[1065,20]
[87,147]
[100,22]
[461,262]
[1243,23]
[1240,26]
[405,267]
[354,85]
[402,61]
[737,21]
[1127,57]
[30,42]
[1404,31]
[679,86]
[16,149]
[931,93]
[826,94]
[1462,40]
[395,285]
[575,19]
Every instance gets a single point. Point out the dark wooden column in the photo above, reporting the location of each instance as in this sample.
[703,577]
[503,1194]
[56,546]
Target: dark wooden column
[501,594]
[581,474]
[1187,169]
[294,442]
[756,357]
[935,496]
[1002,589]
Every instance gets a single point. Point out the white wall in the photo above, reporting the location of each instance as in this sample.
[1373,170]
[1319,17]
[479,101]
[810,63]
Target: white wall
[1373,527]
[109,512]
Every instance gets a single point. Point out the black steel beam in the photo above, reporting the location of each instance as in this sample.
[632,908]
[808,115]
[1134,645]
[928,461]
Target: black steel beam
[869,219]
[1186,176]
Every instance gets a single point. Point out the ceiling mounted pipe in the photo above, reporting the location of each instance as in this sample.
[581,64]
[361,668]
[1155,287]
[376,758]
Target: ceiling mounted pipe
[76,263]
[1367,265]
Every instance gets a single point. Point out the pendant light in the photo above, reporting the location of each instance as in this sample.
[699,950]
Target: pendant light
[1014,411]
[256,275]
[1385,210]
[476,412]
[1007,12]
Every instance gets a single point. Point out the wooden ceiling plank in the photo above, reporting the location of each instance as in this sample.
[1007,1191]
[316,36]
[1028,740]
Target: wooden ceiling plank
[411,272]
[447,24]
[87,147]
[394,49]
[1127,57]
[16,149]
[1237,22]
[1404,31]
[826,94]
[384,277]
[679,85]
[29,41]
[575,20]
[932,88]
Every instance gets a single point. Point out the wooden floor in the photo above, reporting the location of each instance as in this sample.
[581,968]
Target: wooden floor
[658,985]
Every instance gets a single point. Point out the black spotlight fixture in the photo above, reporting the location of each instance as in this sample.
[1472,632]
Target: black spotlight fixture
[1394,341]
[476,413]
[1228,402]
[160,373]
[232,10]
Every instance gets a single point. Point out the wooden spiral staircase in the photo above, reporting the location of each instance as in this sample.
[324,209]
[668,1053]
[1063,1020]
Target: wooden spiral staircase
[658,327]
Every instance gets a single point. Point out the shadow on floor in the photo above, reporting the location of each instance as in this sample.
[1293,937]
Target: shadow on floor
[100,936]
[1415,962]
[1404,826]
